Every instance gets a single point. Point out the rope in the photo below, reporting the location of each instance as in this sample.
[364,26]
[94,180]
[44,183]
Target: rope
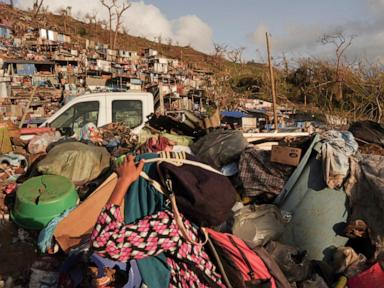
[179,162]
[178,218]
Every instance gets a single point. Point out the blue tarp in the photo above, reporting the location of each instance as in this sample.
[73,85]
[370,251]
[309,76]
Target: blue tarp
[25,69]
[5,32]
[235,114]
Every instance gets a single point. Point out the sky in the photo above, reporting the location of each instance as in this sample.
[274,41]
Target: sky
[295,26]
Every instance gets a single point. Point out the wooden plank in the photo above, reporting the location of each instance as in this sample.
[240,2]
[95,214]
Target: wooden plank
[259,136]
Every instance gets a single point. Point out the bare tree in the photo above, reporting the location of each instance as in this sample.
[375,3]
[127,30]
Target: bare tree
[116,9]
[88,18]
[93,19]
[119,11]
[109,4]
[341,42]
[63,13]
[236,55]
[220,49]
[219,54]
[367,99]
[68,10]
[11,3]
[37,6]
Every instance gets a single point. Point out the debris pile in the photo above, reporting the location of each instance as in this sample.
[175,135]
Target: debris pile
[310,206]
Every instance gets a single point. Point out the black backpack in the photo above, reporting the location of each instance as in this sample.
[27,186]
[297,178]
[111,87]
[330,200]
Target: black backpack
[203,195]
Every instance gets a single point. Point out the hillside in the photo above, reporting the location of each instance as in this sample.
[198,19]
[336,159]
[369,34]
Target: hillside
[80,31]
[312,86]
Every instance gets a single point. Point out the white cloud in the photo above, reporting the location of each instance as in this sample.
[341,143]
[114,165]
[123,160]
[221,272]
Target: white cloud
[145,20]
[148,21]
[376,5]
[298,40]
[193,31]
[304,41]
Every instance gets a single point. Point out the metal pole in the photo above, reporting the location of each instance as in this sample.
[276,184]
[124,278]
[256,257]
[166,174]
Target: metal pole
[272,82]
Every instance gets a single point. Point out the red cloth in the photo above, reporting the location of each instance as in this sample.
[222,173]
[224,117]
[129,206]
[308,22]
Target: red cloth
[371,278]
[232,248]
[159,144]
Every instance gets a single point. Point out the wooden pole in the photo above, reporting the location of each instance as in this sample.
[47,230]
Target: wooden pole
[161,100]
[27,108]
[272,82]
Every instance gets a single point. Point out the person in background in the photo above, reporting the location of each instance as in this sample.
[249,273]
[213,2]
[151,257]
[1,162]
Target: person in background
[154,234]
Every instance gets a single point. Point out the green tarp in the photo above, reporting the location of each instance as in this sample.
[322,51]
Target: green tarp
[315,210]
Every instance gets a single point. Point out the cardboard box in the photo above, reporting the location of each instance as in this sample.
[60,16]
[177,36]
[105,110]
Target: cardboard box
[286,155]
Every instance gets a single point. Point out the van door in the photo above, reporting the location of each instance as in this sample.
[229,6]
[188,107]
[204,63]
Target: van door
[128,110]
[79,113]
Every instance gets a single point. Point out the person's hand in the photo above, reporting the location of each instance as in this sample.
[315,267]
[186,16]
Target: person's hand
[128,171]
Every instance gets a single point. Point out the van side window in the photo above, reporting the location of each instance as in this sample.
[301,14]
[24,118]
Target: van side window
[78,115]
[129,112]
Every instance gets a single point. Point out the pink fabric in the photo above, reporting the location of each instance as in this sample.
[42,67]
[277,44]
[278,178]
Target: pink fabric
[153,235]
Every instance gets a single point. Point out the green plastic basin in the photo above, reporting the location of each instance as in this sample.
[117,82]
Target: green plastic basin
[40,199]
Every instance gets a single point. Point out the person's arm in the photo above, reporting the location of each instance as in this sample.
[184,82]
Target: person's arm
[148,236]
[128,173]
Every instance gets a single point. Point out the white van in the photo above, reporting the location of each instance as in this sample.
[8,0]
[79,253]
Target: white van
[130,108]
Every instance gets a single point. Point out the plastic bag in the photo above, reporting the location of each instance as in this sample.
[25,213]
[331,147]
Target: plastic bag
[78,162]
[39,143]
[258,223]
[368,131]
[220,147]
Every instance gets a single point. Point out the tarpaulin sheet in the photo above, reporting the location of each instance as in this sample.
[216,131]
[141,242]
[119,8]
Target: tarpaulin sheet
[25,69]
[365,187]
[315,209]
[78,162]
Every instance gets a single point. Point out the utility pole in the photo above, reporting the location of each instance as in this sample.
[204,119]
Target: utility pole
[272,82]
[161,97]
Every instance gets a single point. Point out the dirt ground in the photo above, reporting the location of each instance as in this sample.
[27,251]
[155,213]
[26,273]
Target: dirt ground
[17,253]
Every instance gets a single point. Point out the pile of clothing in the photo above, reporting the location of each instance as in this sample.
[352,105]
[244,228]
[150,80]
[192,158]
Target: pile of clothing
[254,221]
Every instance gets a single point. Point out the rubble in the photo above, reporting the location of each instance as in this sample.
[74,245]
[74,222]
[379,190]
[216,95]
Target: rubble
[283,206]
[314,207]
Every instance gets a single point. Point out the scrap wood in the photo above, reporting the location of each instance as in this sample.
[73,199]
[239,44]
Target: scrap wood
[79,223]
[259,136]
[28,105]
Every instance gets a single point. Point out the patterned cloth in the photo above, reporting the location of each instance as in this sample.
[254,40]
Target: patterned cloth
[261,177]
[152,235]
